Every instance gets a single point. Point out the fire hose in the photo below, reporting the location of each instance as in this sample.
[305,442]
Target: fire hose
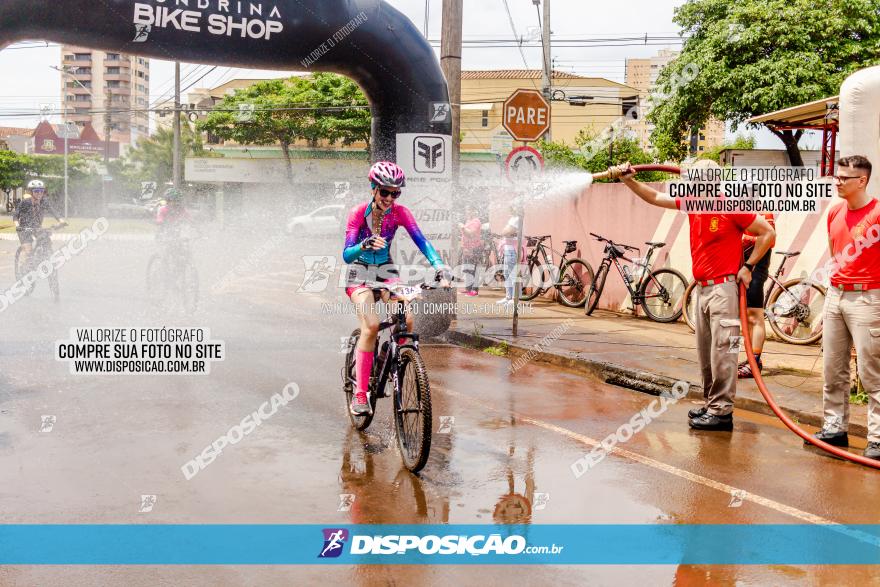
[750,354]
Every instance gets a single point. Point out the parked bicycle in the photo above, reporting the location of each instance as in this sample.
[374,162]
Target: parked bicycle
[571,277]
[42,251]
[794,309]
[398,363]
[659,292]
[172,276]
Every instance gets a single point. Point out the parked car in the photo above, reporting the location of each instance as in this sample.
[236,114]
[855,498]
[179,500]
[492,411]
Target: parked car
[133,209]
[325,221]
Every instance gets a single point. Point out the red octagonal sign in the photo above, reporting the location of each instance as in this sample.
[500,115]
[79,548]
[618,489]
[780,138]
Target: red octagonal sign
[526,115]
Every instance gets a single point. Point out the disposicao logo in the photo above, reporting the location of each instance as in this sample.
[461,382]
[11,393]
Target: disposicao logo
[334,540]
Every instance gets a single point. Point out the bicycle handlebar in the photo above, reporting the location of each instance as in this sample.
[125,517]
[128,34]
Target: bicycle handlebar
[611,242]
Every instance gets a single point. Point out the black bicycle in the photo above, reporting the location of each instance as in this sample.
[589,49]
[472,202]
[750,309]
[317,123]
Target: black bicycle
[659,292]
[172,276]
[41,252]
[793,308]
[571,278]
[398,363]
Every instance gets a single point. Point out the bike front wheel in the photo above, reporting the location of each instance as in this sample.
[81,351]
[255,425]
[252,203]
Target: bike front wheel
[535,282]
[574,283]
[412,410]
[662,294]
[595,290]
[795,311]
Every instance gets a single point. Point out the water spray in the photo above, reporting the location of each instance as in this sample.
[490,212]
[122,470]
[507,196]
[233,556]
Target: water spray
[750,354]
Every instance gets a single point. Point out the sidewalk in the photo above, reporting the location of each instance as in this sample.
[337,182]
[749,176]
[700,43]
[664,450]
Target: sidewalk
[641,354]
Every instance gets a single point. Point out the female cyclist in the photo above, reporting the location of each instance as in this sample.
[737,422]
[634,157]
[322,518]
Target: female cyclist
[370,229]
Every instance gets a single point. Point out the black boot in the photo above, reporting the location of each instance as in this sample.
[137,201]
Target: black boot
[713,422]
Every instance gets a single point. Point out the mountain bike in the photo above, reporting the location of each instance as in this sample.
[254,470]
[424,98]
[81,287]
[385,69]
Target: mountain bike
[571,277]
[172,276]
[41,251]
[794,308]
[659,292]
[398,372]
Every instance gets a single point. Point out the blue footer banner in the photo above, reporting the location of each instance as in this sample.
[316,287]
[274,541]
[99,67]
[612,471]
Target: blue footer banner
[629,544]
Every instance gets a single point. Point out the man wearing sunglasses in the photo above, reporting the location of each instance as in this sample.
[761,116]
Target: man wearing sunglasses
[29,214]
[369,232]
[852,306]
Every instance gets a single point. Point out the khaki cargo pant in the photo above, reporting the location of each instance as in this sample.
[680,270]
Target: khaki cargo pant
[718,332]
[851,317]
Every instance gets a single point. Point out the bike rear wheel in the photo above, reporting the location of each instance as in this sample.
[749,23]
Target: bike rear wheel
[412,410]
[349,381]
[574,283]
[596,287]
[795,311]
[690,306]
[662,294]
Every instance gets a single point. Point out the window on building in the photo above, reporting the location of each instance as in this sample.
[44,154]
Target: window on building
[82,57]
[140,74]
[113,56]
[83,71]
[485,119]
[700,148]
[112,71]
[702,137]
[629,107]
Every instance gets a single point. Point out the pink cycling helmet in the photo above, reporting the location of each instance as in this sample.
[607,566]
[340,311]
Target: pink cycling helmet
[387,174]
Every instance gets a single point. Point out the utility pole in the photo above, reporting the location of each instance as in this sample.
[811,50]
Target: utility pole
[108,127]
[546,78]
[450,61]
[176,172]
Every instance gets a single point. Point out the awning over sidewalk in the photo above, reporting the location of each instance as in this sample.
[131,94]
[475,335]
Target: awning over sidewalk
[816,115]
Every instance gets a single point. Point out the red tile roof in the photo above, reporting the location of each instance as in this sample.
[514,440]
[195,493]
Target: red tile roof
[7,131]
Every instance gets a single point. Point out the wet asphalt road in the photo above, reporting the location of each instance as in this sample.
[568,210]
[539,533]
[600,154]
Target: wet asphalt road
[505,458]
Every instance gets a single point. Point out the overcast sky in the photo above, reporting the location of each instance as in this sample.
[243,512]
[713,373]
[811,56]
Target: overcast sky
[28,81]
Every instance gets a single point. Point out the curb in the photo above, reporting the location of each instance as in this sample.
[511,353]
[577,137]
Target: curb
[643,381]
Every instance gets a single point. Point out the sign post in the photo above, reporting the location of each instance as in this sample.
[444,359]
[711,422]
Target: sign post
[526,117]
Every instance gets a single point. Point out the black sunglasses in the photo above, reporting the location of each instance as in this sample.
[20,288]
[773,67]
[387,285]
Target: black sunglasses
[389,193]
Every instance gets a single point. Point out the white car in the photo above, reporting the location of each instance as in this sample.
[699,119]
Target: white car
[325,221]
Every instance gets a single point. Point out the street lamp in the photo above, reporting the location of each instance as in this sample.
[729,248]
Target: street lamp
[68,130]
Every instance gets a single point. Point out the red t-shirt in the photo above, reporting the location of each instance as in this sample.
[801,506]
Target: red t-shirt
[716,243]
[845,227]
[471,243]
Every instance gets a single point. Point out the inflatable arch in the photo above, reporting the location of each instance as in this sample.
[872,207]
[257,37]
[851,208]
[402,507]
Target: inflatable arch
[367,40]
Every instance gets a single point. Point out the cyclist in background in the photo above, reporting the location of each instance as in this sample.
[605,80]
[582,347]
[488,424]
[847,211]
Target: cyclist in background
[369,232]
[171,216]
[29,214]
[755,299]
[471,248]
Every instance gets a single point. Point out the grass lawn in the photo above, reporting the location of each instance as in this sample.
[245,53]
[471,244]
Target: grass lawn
[117,225]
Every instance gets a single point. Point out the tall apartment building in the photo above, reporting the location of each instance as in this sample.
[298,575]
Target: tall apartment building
[642,74]
[94,79]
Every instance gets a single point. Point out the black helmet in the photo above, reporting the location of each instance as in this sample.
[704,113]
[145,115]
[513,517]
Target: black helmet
[172,195]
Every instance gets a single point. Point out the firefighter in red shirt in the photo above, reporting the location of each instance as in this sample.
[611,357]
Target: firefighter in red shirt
[852,306]
[716,253]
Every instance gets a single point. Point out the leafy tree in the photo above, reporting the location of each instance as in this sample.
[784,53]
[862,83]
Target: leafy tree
[596,153]
[322,106]
[153,158]
[740,143]
[753,57]
[14,169]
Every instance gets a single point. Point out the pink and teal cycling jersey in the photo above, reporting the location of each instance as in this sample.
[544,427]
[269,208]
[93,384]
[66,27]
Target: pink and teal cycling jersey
[358,228]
